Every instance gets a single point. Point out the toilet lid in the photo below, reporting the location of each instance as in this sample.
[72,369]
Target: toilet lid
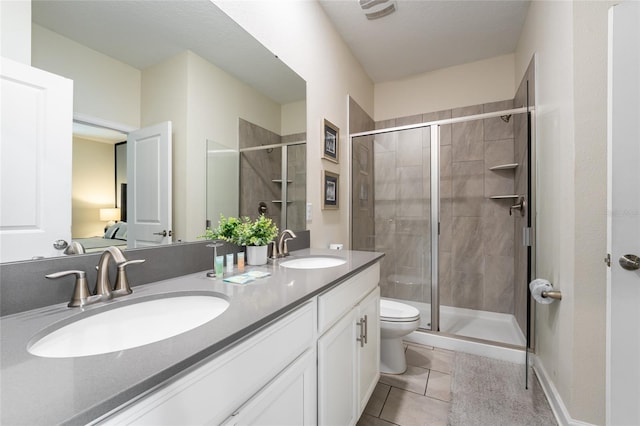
[398,312]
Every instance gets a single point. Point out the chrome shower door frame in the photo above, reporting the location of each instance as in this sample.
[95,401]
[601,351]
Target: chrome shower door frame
[435,189]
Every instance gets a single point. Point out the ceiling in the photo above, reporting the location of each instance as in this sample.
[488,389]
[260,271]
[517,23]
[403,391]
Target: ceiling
[145,32]
[426,35]
[421,36]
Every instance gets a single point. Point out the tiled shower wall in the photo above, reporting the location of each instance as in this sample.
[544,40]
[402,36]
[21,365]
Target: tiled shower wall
[476,256]
[261,172]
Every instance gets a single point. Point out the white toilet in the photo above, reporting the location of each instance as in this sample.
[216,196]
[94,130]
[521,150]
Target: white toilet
[396,321]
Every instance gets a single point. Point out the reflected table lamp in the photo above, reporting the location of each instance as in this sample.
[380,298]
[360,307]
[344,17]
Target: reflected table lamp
[111,216]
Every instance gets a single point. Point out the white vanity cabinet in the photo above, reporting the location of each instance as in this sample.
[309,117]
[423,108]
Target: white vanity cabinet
[348,348]
[283,374]
[249,382]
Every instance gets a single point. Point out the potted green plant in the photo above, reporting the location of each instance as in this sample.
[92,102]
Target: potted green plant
[256,235]
[226,230]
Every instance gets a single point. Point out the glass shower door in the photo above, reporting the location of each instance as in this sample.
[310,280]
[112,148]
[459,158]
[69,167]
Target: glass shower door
[391,198]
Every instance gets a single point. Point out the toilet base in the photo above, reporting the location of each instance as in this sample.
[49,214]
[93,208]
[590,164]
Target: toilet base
[392,356]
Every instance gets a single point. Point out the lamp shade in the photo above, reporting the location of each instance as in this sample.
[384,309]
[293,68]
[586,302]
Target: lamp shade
[107,215]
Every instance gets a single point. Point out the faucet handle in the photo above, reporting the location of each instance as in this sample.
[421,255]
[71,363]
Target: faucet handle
[122,286]
[274,249]
[81,293]
[285,247]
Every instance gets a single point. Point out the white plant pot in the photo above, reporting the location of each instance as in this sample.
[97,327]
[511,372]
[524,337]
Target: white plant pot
[257,255]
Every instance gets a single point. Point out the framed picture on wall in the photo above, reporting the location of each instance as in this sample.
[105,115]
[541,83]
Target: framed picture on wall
[331,137]
[330,190]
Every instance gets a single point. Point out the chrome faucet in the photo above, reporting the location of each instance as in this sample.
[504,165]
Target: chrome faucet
[103,285]
[283,250]
[103,291]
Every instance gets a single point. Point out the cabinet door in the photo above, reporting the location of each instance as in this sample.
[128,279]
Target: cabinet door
[288,400]
[337,364]
[369,352]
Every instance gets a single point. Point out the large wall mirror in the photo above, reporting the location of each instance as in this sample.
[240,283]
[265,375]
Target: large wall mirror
[137,63]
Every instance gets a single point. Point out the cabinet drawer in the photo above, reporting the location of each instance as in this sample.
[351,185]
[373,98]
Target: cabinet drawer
[336,302]
[211,393]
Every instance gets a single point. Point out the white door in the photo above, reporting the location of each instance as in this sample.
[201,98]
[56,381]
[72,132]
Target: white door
[35,161]
[149,186]
[623,285]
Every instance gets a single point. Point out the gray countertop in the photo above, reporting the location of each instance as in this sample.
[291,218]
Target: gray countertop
[44,391]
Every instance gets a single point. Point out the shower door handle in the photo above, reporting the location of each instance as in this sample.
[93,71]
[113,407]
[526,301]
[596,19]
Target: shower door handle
[519,205]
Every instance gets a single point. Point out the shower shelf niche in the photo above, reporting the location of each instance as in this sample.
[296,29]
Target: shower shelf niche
[504,166]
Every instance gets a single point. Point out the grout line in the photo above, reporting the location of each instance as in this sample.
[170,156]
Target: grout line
[426,385]
[386,397]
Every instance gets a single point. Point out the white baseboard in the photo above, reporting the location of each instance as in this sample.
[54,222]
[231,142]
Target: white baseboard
[555,400]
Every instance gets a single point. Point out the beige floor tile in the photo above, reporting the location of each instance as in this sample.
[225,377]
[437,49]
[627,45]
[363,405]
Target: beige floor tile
[378,397]
[367,420]
[414,379]
[439,386]
[434,359]
[410,409]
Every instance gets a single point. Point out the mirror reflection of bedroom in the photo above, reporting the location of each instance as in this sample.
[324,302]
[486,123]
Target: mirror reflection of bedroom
[99,178]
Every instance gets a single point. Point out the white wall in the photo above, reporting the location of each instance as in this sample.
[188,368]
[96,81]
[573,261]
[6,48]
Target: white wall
[302,36]
[473,83]
[15,30]
[164,98]
[216,101]
[569,40]
[204,103]
[103,87]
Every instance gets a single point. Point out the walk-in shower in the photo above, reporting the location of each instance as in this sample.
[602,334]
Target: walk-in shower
[446,199]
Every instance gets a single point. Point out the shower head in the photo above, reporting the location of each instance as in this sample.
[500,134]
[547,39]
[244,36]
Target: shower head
[505,118]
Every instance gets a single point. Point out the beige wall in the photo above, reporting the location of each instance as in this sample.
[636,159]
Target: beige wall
[480,82]
[302,36]
[92,186]
[569,40]
[294,118]
[102,87]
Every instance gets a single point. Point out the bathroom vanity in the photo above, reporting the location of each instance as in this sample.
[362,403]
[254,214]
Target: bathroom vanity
[300,346]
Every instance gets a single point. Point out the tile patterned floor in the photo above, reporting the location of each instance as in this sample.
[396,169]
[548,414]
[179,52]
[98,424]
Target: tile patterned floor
[421,396]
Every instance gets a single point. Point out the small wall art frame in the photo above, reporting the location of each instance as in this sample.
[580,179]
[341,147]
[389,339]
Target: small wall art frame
[331,145]
[330,190]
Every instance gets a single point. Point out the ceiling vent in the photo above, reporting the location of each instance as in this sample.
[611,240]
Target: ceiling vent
[374,9]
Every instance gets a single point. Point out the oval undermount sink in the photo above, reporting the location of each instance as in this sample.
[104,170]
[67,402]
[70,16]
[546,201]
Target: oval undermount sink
[129,326]
[313,262]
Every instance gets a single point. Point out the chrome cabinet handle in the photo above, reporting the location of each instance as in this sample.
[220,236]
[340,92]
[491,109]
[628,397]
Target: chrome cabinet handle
[362,339]
[366,329]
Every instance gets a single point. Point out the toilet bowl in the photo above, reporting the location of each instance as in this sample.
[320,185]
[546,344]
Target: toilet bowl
[396,321]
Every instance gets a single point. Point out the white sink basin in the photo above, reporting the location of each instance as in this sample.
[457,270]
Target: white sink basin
[129,326]
[314,262]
